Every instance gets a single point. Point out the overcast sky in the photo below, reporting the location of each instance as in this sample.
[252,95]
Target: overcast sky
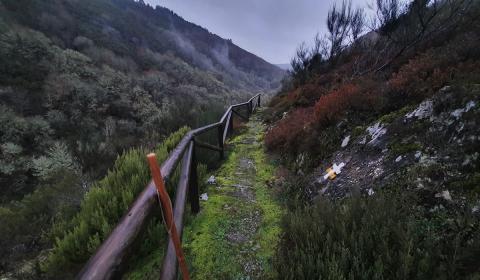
[271,29]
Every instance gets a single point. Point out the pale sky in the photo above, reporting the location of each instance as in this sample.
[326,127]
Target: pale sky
[271,29]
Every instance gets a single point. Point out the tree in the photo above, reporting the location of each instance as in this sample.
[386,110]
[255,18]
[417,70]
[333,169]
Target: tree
[338,24]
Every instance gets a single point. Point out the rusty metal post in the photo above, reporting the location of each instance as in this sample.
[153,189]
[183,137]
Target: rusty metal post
[166,204]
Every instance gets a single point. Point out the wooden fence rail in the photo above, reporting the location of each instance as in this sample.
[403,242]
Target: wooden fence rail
[111,257]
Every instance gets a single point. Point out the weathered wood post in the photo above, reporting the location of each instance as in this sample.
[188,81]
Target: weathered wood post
[230,123]
[220,140]
[193,182]
[258,104]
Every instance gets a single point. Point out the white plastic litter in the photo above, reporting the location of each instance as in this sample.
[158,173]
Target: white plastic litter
[204,196]
[445,195]
[211,180]
[337,169]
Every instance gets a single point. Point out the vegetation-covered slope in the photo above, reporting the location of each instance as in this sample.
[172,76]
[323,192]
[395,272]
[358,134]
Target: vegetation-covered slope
[399,107]
[83,81]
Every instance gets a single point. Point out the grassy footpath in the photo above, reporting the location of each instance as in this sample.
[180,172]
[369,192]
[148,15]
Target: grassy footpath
[236,233]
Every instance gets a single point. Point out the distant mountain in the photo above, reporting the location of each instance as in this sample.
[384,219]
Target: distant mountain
[284,66]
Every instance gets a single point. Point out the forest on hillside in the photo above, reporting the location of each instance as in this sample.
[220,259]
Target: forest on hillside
[392,98]
[82,82]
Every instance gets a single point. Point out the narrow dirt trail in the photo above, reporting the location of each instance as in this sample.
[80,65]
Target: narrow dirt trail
[236,233]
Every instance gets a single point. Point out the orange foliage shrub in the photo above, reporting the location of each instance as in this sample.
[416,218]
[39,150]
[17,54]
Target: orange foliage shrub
[426,73]
[287,131]
[421,76]
[332,106]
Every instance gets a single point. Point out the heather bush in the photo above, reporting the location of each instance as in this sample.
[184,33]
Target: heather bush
[378,237]
[103,206]
[286,132]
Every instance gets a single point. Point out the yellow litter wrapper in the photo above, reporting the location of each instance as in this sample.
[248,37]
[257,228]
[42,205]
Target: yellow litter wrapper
[333,171]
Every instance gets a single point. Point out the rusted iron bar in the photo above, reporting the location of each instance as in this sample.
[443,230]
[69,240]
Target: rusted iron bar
[167,212]
[169,267]
[207,146]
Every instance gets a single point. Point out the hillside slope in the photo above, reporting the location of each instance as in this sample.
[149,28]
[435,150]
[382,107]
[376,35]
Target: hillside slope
[394,115]
[95,77]
[82,82]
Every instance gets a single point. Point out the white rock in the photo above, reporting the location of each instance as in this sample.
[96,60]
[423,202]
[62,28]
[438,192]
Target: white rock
[376,131]
[211,180]
[459,112]
[377,172]
[204,196]
[418,154]
[398,159]
[345,141]
[424,110]
[371,192]
[445,195]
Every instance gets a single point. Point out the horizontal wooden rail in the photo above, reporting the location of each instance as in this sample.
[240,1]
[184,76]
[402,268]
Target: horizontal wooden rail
[111,257]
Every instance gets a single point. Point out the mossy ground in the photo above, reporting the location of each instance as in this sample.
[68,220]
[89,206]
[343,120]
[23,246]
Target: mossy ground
[237,230]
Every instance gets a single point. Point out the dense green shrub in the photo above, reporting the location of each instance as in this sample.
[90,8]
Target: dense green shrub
[379,237]
[103,206]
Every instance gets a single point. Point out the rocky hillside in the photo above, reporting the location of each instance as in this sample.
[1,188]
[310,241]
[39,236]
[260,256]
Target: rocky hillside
[433,149]
[378,139]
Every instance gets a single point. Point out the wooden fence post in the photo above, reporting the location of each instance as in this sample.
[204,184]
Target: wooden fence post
[220,140]
[230,123]
[193,183]
[258,104]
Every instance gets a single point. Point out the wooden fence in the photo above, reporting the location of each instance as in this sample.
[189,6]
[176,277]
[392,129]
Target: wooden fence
[111,257]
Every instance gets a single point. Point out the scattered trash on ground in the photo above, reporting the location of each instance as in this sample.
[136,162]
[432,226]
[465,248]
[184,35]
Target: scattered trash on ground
[445,195]
[334,171]
[211,180]
[204,196]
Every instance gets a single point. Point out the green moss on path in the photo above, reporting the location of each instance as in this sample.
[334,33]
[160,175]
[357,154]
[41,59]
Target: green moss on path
[236,233]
